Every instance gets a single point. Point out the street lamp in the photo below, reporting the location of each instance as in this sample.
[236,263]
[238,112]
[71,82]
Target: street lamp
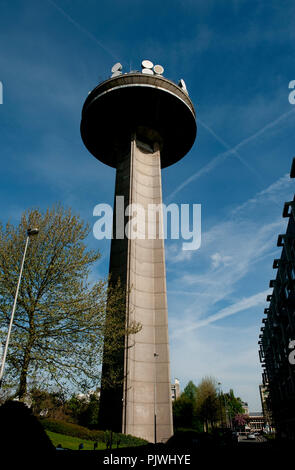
[30,232]
[220,405]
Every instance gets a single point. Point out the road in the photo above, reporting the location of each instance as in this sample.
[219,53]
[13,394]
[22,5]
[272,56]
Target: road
[259,439]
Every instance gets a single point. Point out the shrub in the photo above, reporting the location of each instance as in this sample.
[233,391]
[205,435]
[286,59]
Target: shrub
[128,440]
[70,429]
[74,430]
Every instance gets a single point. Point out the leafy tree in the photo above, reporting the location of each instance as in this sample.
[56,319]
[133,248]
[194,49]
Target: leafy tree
[89,416]
[208,402]
[240,420]
[59,324]
[234,405]
[191,391]
[76,406]
[84,410]
[184,409]
[183,412]
[49,404]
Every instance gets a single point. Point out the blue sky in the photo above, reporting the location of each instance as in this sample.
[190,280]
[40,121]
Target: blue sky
[237,58]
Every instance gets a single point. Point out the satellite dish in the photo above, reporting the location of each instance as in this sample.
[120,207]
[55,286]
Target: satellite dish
[148,71]
[116,74]
[158,69]
[147,64]
[117,67]
[182,85]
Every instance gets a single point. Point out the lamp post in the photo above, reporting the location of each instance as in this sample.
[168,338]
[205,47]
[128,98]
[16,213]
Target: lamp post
[220,405]
[30,232]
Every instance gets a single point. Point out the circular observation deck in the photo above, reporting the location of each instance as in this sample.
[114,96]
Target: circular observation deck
[152,107]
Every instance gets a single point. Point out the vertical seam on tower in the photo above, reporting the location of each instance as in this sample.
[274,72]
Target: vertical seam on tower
[128,285]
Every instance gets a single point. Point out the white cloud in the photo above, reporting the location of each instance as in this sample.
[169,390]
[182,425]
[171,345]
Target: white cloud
[175,255]
[274,193]
[218,260]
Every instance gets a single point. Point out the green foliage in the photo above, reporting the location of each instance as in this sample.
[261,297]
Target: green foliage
[52,403]
[234,404]
[208,404]
[70,429]
[81,432]
[127,440]
[69,442]
[183,412]
[184,409]
[203,406]
[59,323]
[191,391]
[85,411]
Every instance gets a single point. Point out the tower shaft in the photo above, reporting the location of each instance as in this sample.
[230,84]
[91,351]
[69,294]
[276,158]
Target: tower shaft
[141,405]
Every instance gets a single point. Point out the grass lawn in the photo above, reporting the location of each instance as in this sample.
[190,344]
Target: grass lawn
[70,442]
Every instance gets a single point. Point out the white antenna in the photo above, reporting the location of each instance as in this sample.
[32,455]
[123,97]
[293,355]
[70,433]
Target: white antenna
[182,85]
[117,67]
[116,74]
[148,71]
[158,69]
[116,70]
[147,64]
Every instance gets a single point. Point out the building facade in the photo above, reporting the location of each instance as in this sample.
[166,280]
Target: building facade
[175,390]
[255,422]
[264,397]
[278,331]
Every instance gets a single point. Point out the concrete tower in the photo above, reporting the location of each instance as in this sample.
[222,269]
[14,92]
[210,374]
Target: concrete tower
[139,123]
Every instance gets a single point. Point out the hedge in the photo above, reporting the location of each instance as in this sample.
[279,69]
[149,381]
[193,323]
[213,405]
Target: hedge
[74,430]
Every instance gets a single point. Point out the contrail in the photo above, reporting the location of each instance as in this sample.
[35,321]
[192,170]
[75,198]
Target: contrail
[83,30]
[242,305]
[222,156]
[206,169]
[265,128]
[228,147]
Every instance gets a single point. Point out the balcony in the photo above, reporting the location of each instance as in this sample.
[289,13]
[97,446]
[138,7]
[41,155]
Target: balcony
[289,208]
[276,263]
[281,239]
[292,172]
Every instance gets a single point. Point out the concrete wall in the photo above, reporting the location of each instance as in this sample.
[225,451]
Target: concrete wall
[140,264]
[147,390]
